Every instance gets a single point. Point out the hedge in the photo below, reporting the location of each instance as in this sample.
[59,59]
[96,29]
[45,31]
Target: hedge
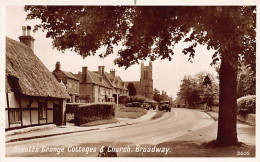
[84,113]
[246,104]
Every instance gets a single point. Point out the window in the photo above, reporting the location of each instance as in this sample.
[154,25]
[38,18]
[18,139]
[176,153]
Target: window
[15,116]
[69,84]
[42,110]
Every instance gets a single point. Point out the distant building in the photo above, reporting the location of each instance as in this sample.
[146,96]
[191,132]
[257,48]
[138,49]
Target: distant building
[69,80]
[33,95]
[144,87]
[100,86]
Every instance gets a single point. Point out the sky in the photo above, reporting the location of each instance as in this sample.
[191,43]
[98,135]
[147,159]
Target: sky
[167,75]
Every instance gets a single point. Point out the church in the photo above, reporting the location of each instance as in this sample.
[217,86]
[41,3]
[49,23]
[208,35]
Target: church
[144,87]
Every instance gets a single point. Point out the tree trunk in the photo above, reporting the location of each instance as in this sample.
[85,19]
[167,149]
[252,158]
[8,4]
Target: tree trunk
[227,122]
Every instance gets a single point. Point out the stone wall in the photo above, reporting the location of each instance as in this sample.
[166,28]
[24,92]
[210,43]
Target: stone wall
[247,118]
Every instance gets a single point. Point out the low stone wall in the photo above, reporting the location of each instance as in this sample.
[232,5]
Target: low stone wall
[247,118]
[215,108]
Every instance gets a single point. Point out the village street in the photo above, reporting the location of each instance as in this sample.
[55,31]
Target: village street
[172,125]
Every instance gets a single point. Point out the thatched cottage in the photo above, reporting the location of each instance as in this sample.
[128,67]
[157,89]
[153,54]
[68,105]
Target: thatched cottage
[33,95]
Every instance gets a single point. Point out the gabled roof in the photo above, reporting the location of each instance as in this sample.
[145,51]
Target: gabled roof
[69,75]
[94,78]
[113,79]
[31,75]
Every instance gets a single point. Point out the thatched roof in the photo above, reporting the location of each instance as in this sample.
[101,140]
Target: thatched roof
[33,78]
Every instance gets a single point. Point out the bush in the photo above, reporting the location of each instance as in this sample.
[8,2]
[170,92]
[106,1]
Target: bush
[138,98]
[84,113]
[246,104]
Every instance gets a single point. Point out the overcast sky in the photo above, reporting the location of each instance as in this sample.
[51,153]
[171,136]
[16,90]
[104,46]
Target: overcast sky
[166,75]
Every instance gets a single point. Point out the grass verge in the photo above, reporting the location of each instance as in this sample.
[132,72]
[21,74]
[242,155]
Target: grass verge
[130,112]
[157,115]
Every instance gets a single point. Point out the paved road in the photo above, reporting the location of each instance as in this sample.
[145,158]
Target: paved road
[171,125]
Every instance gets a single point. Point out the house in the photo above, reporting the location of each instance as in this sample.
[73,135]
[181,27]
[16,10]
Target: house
[93,87]
[33,95]
[144,87]
[118,86]
[69,80]
[100,86]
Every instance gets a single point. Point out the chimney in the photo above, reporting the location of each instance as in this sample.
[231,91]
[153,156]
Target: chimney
[27,39]
[101,70]
[113,72]
[84,74]
[57,67]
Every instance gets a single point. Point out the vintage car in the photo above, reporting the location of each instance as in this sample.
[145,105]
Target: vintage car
[164,105]
[150,105]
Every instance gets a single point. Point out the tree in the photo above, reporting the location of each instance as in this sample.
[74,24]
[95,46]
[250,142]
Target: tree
[189,90]
[156,95]
[131,88]
[246,82]
[208,85]
[153,32]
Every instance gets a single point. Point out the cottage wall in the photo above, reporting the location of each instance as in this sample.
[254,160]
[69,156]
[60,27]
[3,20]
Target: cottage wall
[22,111]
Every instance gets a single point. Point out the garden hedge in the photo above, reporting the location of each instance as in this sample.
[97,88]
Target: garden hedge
[84,113]
[246,104]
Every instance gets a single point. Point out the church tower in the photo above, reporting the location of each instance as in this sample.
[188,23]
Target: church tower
[146,81]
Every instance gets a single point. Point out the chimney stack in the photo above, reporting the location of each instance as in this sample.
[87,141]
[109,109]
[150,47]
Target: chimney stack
[24,30]
[113,72]
[84,74]
[27,39]
[28,30]
[101,70]
[57,67]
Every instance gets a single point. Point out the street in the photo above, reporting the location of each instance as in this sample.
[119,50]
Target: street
[172,125]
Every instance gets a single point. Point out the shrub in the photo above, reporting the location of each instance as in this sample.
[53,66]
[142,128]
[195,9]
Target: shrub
[246,104]
[138,98]
[84,113]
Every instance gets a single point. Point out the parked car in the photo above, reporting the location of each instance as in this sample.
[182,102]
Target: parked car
[150,105]
[164,105]
[129,105]
[136,104]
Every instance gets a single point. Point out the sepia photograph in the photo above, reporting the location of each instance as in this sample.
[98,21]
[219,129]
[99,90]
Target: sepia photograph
[129,81]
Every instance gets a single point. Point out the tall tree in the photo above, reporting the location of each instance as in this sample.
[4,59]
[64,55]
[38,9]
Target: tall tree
[153,32]
[156,95]
[190,90]
[132,89]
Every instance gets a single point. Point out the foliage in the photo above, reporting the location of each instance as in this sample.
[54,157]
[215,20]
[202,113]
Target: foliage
[219,28]
[189,90]
[84,97]
[84,113]
[132,89]
[156,95]
[123,99]
[194,90]
[138,98]
[246,82]
[247,104]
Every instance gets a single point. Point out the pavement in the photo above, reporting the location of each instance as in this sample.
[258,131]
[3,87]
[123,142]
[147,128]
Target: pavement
[53,130]
[245,132]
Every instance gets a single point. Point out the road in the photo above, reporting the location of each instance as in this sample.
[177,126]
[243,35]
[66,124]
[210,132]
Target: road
[171,125]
